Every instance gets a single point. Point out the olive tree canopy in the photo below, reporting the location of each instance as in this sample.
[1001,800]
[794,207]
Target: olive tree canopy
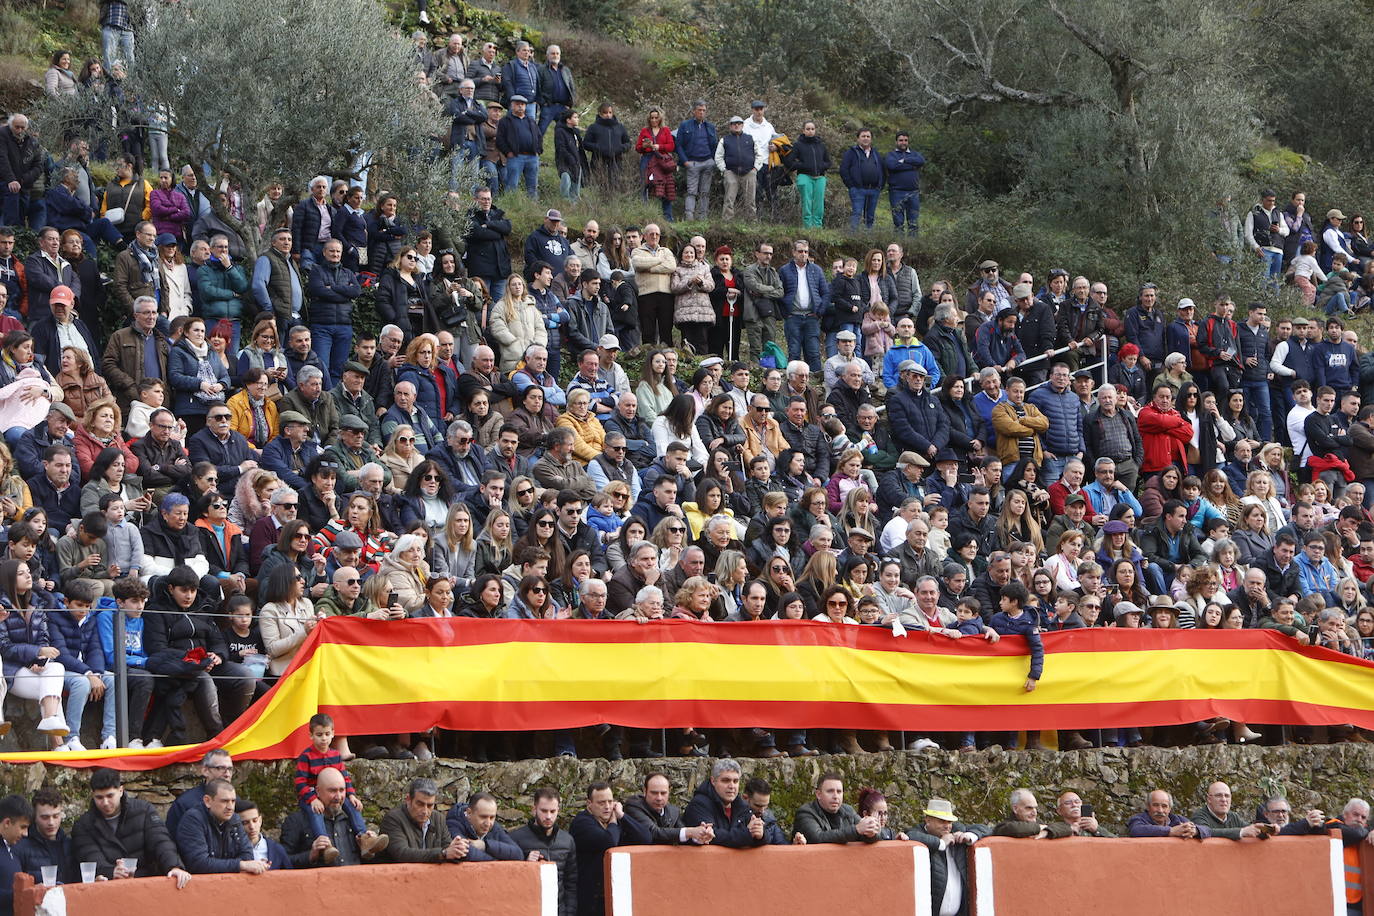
[263,91]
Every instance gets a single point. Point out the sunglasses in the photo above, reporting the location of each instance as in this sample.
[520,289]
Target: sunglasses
[216,505]
[219,416]
[677,529]
[525,492]
[405,438]
[544,523]
[464,440]
[411,257]
[430,477]
[288,505]
[616,448]
[538,590]
[351,581]
[297,537]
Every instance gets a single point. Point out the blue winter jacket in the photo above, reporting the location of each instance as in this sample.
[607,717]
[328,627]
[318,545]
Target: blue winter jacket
[912,350]
[917,420]
[78,644]
[1065,435]
[209,847]
[1022,625]
[815,281]
[182,373]
[689,141]
[903,170]
[499,844]
[331,290]
[134,654]
[858,170]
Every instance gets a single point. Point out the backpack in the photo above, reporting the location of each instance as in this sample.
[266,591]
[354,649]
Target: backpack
[772,356]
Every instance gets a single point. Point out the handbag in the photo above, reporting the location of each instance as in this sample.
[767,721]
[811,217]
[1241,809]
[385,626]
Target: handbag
[116,216]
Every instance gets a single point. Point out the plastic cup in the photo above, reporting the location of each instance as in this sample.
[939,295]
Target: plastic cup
[87,872]
[130,864]
[49,875]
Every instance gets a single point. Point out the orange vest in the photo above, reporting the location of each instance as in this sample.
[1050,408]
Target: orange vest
[1354,878]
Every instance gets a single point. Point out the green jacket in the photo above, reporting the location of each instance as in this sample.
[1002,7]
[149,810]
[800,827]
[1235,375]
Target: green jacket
[407,844]
[1028,830]
[323,415]
[222,292]
[1228,829]
[364,408]
[332,604]
[351,461]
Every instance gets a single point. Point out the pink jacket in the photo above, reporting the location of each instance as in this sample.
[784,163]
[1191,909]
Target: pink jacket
[877,338]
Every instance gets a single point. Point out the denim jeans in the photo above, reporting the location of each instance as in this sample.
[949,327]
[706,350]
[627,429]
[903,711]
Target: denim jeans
[525,166]
[550,113]
[22,210]
[1052,470]
[832,343]
[1273,262]
[862,201]
[567,187]
[1257,400]
[496,287]
[316,822]
[332,343]
[804,336]
[700,174]
[116,45]
[906,210]
[78,688]
[491,175]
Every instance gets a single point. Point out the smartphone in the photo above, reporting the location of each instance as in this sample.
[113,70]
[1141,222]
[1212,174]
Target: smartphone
[392,599]
[1086,810]
[712,578]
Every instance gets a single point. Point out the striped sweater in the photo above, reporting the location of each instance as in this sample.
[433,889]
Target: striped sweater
[309,763]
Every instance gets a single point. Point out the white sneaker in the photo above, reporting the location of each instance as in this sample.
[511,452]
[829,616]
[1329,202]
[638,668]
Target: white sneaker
[74,744]
[921,744]
[424,17]
[108,744]
[135,743]
[53,725]
[156,742]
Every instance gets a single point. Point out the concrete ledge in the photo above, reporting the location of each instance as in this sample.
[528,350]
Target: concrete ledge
[797,880]
[1147,877]
[504,889]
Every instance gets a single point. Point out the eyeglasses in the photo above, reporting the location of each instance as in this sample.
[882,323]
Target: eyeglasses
[297,537]
[218,416]
[464,440]
[165,425]
[677,529]
[405,438]
[222,768]
[778,569]
[525,492]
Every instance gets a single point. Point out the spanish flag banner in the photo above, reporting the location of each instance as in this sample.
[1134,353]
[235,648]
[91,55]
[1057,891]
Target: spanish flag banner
[381,677]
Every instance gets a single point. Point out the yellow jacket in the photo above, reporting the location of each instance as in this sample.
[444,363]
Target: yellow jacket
[241,416]
[589,437]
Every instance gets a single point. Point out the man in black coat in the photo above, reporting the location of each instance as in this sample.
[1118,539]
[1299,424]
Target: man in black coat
[1035,328]
[661,818]
[47,843]
[600,827]
[542,841]
[211,837]
[485,254]
[21,165]
[57,491]
[225,448]
[717,802]
[118,826]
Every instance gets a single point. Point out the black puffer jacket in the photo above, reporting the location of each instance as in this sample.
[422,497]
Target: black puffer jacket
[137,833]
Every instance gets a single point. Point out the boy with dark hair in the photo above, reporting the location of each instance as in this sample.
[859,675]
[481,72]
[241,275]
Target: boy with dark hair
[15,816]
[1012,620]
[130,596]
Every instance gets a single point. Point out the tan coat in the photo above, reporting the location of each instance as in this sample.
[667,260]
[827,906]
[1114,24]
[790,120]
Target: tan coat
[283,629]
[693,303]
[755,439]
[518,333]
[1010,427]
[653,269]
[406,583]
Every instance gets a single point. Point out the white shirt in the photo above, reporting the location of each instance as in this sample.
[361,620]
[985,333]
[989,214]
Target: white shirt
[761,132]
[894,534]
[954,885]
[69,336]
[803,291]
[1296,433]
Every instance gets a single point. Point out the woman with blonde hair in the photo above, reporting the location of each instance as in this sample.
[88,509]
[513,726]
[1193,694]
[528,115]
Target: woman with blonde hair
[1259,491]
[516,324]
[15,497]
[856,512]
[264,352]
[1217,492]
[460,541]
[818,576]
[435,391]
[654,392]
[670,537]
[524,499]
[494,545]
[80,383]
[253,497]
[401,457]
[98,431]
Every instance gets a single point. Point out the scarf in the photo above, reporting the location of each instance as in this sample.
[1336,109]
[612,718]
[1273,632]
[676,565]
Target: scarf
[204,371]
[147,266]
[260,434]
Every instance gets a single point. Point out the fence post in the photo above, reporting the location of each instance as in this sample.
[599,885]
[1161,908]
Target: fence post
[121,681]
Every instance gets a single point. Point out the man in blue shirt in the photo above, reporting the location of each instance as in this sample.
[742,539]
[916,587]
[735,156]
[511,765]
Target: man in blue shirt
[696,150]
[903,166]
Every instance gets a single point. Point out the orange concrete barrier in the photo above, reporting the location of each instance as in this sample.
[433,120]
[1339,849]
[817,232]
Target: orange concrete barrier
[1146,877]
[494,888]
[818,880]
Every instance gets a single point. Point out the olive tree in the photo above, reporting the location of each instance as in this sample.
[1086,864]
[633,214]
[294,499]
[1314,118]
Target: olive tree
[262,91]
[1132,116]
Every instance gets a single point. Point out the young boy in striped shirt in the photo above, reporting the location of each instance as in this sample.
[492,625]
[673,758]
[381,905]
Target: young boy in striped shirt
[309,763]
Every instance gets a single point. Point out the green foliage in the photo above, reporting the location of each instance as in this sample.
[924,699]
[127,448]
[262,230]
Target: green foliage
[449,16]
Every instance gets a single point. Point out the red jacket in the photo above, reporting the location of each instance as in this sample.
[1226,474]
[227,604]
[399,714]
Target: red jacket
[1165,437]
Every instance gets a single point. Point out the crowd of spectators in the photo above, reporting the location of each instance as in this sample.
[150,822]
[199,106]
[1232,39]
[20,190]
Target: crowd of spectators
[236,460]
[210,829]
